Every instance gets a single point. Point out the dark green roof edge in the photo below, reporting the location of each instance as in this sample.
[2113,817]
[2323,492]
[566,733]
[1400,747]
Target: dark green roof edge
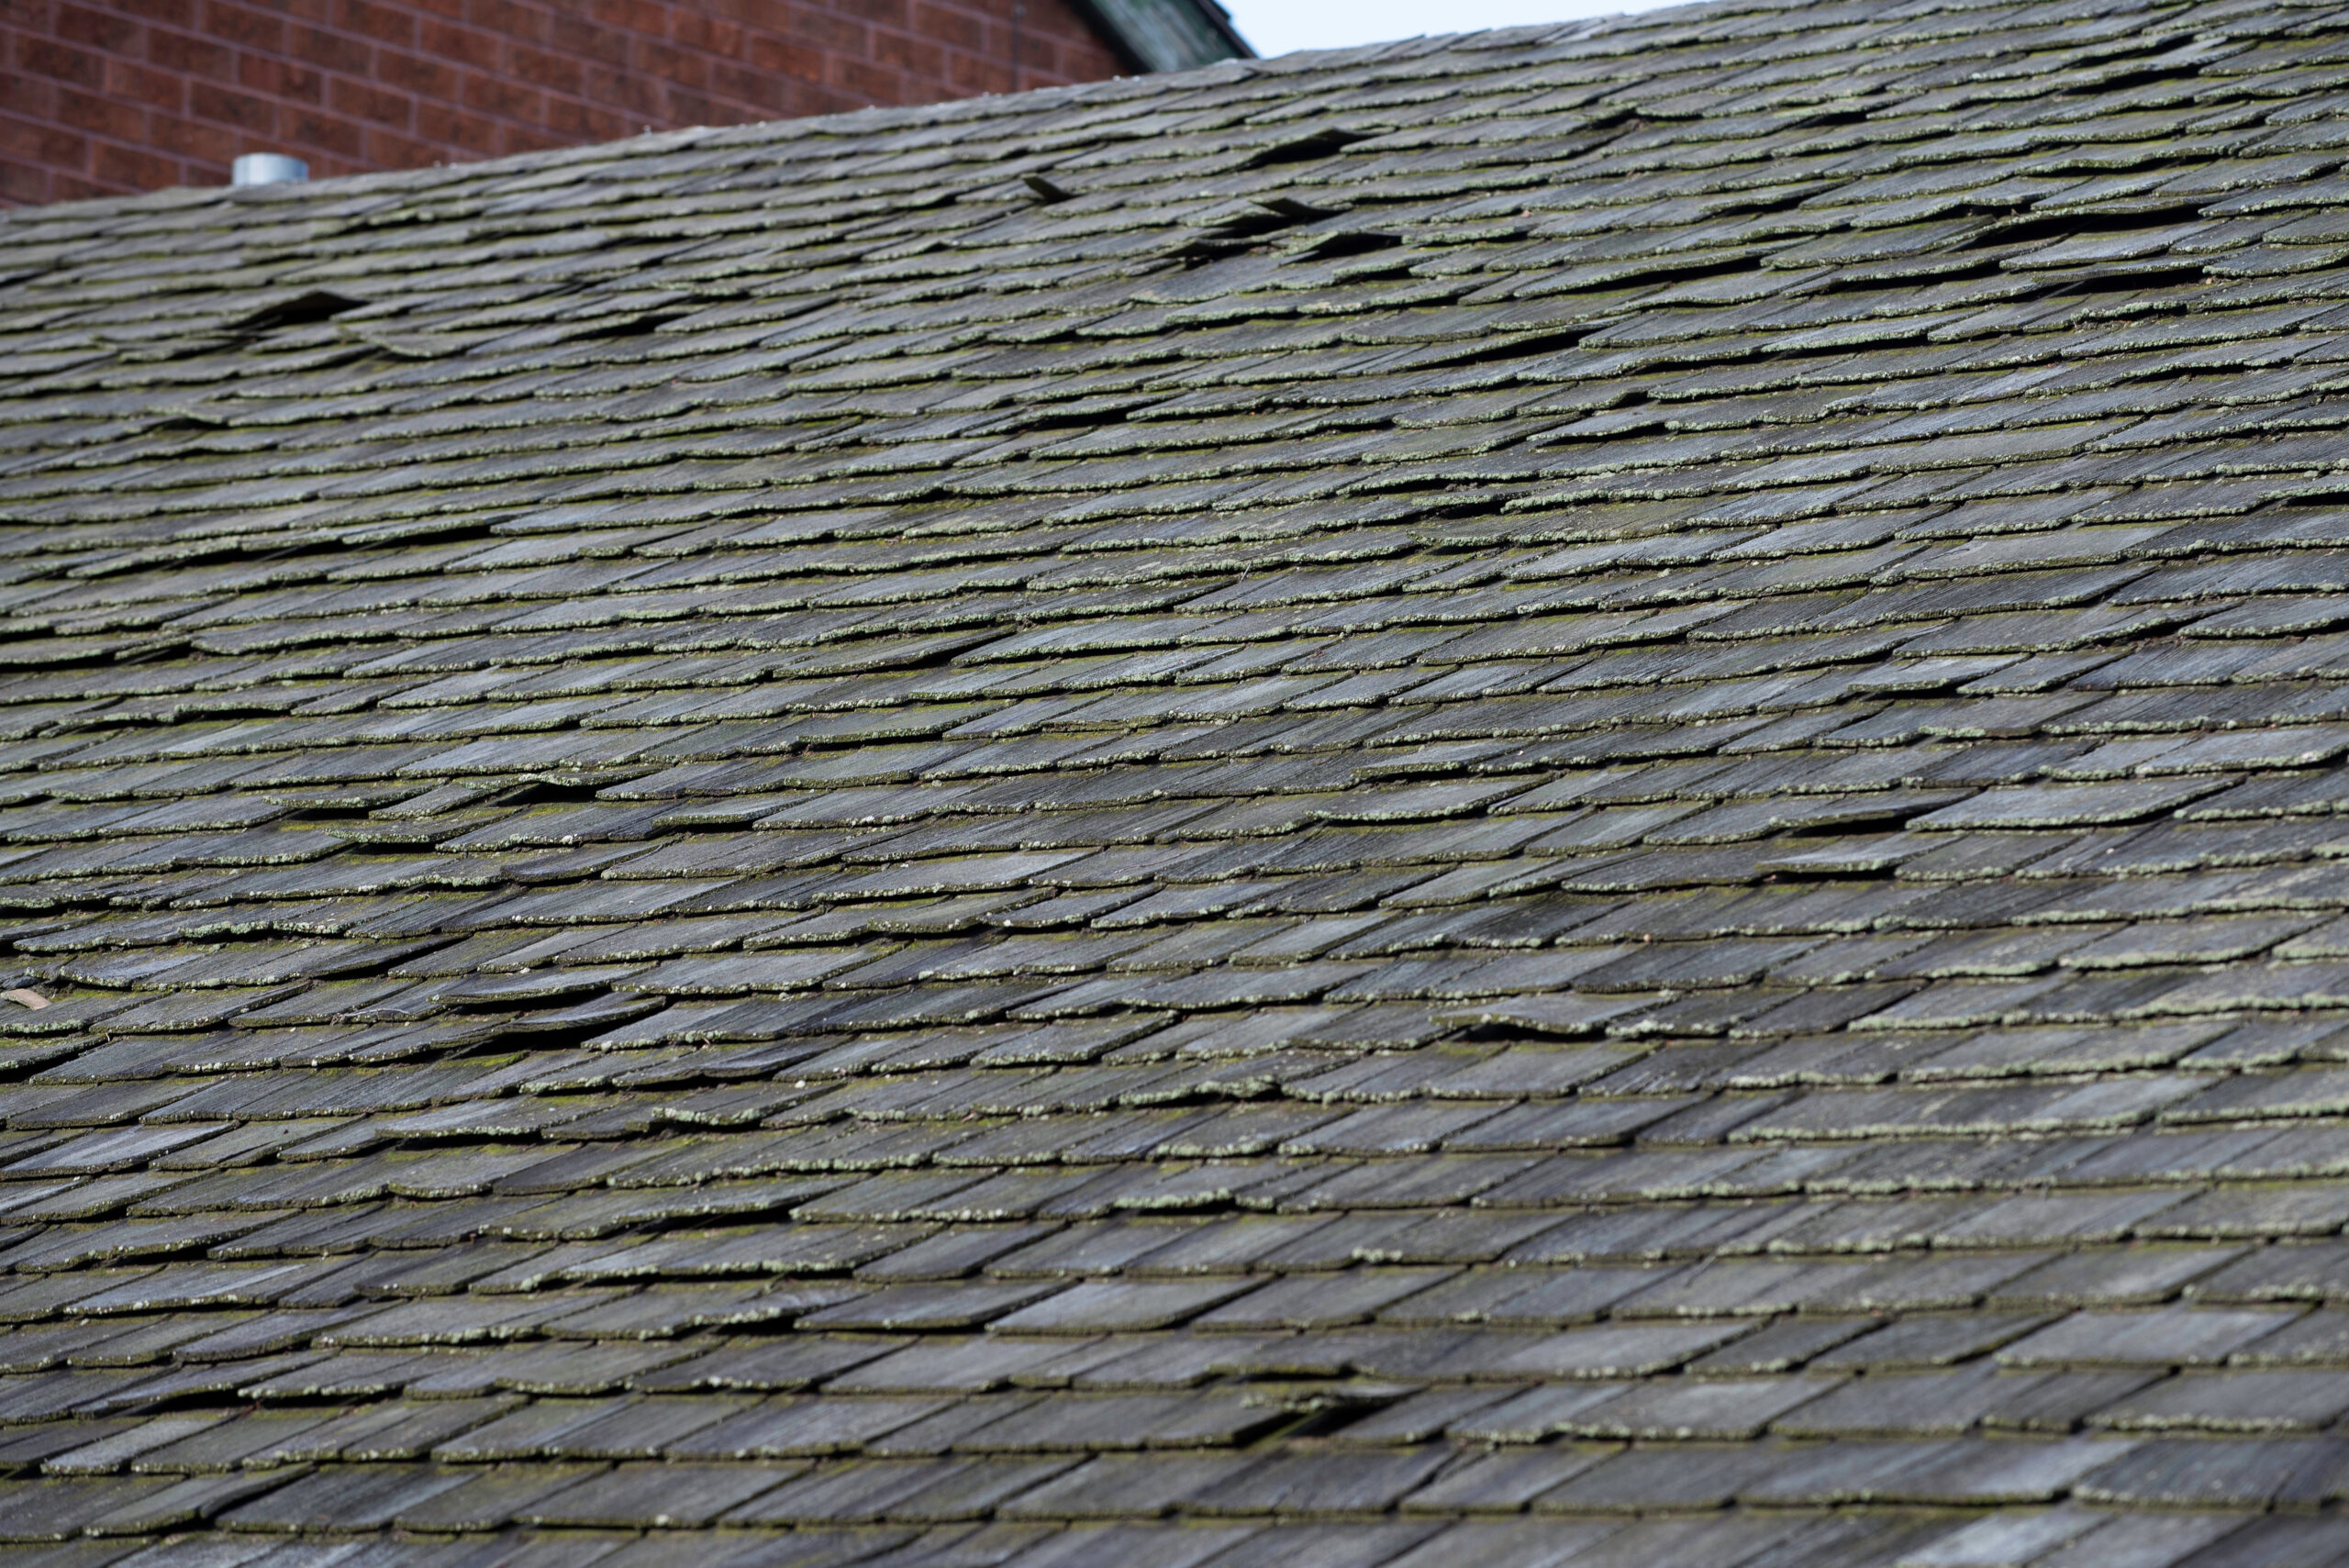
[1168,35]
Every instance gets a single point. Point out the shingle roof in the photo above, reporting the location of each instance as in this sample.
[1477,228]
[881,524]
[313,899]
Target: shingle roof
[1558,796]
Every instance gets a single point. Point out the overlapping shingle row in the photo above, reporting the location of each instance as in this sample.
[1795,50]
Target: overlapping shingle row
[1559,796]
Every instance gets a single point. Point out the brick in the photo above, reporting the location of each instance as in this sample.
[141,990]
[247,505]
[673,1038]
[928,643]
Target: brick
[505,99]
[648,17]
[189,55]
[309,129]
[844,37]
[282,81]
[382,24]
[103,117]
[461,45]
[762,91]
[509,18]
[449,128]
[418,75]
[713,111]
[387,150]
[780,57]
[628,93]
[679,66]
[57,61]
[877,85]
[118,168]
[247,111]
[50,145]
[130,84]
[247,26]
[514,141]
[196,142]
[913,56]
[955,25]
[102,31]
[33,157]
[330,50]
[544,68]
[582,38]
[365,101]
[697,29]
[170,13]
[103,97]
[21,182]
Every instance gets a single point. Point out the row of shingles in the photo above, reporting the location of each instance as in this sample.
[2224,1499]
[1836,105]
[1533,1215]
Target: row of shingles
[233,1052]
[1736,1536]
[916,1491]
[1699,151]
[1390,1132]
[1042,1546]
[1689,1066]
[999,1409]
[421,1280]
[1281,1483]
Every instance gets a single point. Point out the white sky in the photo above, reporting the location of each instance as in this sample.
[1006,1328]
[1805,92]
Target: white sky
[1278,27]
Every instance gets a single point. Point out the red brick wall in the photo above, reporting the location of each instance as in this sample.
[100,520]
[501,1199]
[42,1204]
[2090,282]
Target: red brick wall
[105,96]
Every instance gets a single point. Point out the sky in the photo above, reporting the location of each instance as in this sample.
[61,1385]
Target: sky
[1278,27]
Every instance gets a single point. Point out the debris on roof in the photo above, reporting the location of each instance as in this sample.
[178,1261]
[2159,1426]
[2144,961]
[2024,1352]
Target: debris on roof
[1569,795]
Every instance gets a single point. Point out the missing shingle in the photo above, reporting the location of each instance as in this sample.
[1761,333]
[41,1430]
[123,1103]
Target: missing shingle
[627,326]
[298,310]
[1304,149]
[1229,229]
[1349,242]
[2075,225]
[2135,282]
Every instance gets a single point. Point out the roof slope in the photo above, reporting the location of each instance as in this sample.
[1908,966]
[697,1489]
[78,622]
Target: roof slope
[1560,797]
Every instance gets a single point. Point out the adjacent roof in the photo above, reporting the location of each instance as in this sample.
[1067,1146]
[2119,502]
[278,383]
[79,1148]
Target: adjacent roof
[1168,35]
[1569,796]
